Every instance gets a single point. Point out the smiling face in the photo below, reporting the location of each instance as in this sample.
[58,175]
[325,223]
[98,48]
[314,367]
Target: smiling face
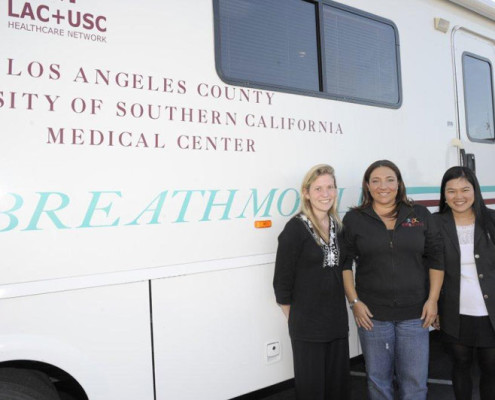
[459,196]
[321,194]
[383,186]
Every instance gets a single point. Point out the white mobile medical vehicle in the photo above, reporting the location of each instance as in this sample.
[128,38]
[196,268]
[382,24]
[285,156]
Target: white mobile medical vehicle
[151,152]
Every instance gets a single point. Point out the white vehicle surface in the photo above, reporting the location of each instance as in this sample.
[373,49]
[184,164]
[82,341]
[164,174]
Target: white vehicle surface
[152,151]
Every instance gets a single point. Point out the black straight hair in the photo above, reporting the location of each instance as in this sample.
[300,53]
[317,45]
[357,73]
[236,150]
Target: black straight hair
[479,207]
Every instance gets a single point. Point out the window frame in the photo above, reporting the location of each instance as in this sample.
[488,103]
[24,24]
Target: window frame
[320,42]
[480,58]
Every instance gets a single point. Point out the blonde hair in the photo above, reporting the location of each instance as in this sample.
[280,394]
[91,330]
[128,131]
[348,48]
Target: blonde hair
[306,208]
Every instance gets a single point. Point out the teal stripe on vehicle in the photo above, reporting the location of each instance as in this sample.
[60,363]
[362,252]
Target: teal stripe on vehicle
[436,189]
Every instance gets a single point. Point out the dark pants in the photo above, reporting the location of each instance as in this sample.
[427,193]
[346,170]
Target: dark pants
[462,380]
[321,370]
[476,335]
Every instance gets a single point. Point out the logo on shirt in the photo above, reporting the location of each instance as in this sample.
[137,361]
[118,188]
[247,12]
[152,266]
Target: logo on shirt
[412,222]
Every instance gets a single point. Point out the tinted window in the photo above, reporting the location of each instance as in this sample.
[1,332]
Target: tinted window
[315,48]
[271,42]
[360,57]
[478,97]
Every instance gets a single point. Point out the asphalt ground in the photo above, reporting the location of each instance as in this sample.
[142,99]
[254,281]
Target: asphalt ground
[439,383]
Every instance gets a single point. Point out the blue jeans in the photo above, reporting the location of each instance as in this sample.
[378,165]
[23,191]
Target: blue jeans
[400,348]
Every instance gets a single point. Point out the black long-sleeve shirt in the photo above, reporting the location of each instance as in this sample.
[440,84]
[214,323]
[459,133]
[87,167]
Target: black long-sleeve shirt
[392,268]
[484,257]
[315,294]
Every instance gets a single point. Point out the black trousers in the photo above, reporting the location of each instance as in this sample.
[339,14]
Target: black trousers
[462,380]
[321,369]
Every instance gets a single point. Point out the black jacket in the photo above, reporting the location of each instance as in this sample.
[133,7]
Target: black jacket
[316,295]
[484,256]
[392,268]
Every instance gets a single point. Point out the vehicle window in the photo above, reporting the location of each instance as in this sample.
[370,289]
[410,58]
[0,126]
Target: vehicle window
[314,48]
[271,42]
[478,97]
[360,57]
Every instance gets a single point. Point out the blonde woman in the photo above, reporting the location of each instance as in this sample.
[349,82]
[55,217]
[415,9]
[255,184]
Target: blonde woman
[308,287]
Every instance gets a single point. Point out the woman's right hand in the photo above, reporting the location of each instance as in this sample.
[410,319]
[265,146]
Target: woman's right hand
[362,315]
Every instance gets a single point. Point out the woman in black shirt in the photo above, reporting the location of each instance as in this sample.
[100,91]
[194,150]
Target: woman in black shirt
[467,301]
[308,286]
[397,251]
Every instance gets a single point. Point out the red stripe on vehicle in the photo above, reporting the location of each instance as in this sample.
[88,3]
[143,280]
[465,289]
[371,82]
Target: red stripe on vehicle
[434,203]
[427,203]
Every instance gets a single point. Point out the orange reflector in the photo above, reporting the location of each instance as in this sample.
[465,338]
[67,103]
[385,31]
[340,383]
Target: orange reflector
[263,224]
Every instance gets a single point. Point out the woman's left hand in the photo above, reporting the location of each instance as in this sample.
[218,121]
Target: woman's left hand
[436,324]
[430,310]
